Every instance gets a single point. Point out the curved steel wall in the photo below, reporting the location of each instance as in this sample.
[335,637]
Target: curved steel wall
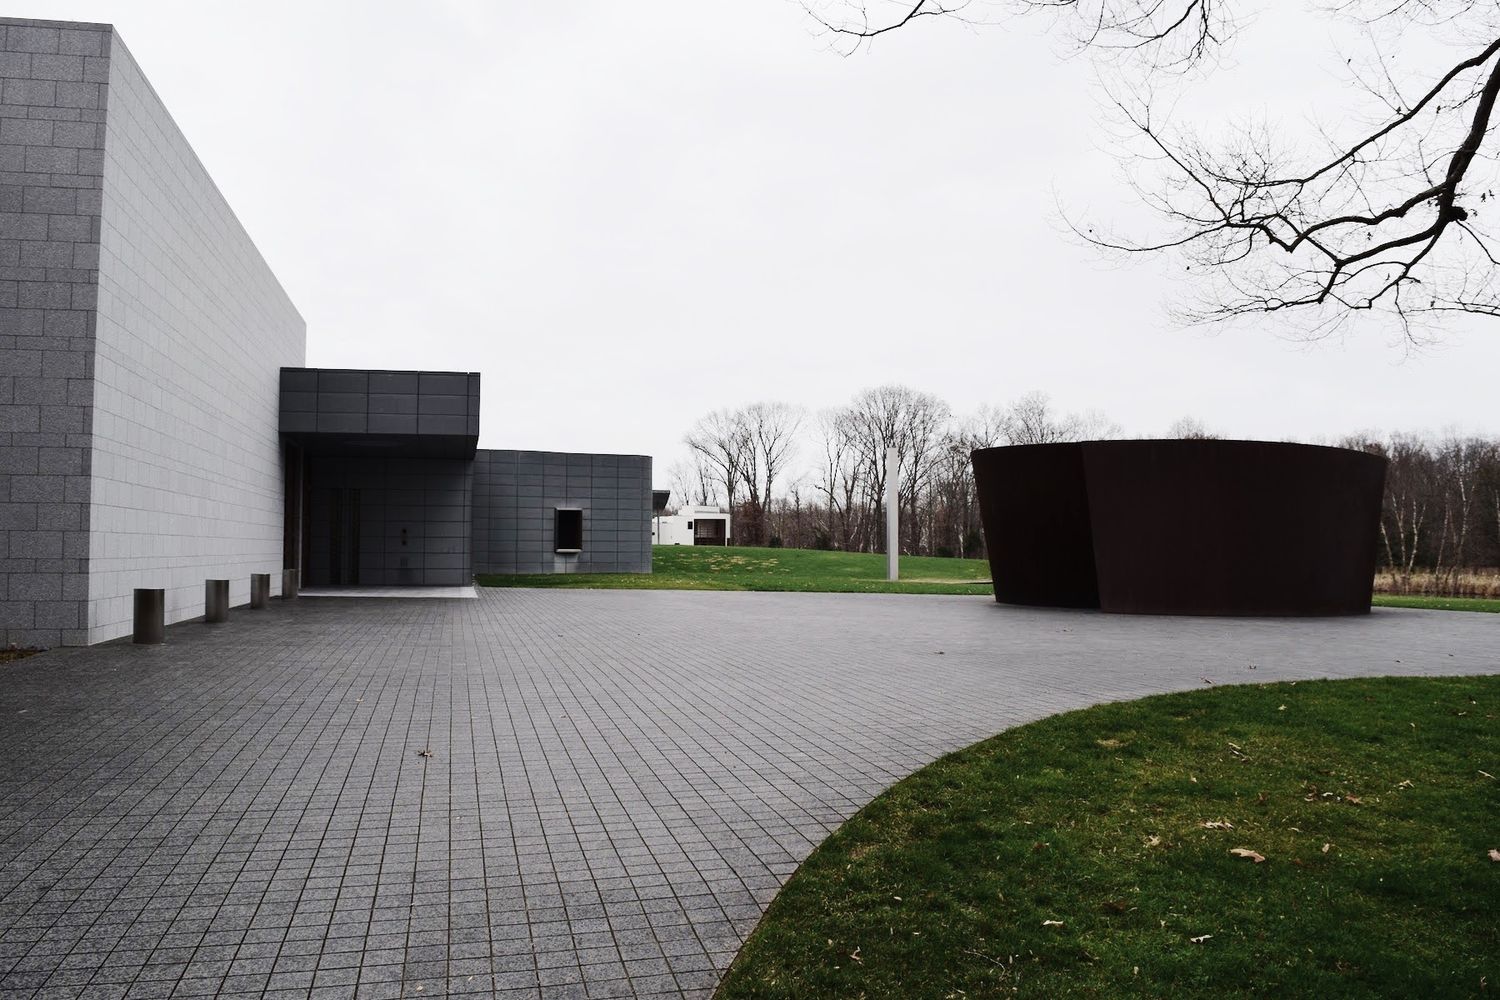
[1035,510]
[1182,527]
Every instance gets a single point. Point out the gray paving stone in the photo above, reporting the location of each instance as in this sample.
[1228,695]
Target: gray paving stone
[533,794]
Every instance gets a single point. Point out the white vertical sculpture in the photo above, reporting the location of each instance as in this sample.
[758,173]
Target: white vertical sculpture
[892,514]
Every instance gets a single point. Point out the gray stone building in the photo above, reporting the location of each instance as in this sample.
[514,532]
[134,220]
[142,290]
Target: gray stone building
[157,427]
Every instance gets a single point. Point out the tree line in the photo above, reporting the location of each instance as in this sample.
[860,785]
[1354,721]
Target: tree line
[818,480]
[1440,526]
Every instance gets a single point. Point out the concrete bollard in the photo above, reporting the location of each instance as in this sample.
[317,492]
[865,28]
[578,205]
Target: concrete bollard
[291,581]
[150,617]
[215,601]
[260,590]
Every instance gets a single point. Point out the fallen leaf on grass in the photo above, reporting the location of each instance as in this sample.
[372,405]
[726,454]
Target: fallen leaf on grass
[1217,824]
[1494,855]
[1153,840]
[1245,852]
[1200,938]
[1326,847]
[1052,923]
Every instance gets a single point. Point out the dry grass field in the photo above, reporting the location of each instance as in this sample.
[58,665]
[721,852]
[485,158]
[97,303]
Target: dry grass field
[1447,583]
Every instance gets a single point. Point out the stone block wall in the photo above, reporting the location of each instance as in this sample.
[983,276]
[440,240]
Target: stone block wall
[53,83]
[192,331]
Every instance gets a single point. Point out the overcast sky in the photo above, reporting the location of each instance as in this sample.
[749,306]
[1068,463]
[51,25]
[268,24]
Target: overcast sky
[627,214]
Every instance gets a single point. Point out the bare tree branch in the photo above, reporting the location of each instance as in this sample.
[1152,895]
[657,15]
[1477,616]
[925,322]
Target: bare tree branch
[1390,219]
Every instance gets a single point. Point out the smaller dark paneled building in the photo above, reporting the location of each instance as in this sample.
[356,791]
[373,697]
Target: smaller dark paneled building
[386,486]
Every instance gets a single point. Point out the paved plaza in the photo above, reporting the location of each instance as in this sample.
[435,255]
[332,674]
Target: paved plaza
[535,793]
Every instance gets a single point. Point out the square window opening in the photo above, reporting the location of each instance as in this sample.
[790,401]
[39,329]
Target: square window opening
[567,530]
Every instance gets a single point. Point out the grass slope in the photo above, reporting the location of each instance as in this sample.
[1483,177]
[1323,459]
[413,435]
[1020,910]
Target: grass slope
[686,567]
[1367,799]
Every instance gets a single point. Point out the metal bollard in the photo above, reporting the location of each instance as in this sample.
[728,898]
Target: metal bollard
[291,582]
[150,617]
[215,601]
[260,590]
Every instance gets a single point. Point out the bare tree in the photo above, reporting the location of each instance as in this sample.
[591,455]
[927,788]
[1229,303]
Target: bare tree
[921,450]
[690,481]
[1408,497]
[1031,420]
[1385,213]
[893,416]
[721,442]
[1190,428]
[1490,485]
[952,499]
[985,428]
[772,430]
[839,476]
[1462,462]
[1093,425]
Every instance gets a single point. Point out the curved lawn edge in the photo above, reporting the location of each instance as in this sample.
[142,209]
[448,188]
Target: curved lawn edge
[1089,854]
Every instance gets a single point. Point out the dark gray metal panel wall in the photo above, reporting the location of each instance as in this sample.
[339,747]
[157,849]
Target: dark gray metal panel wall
[336,401]
[428,498]
[516,493]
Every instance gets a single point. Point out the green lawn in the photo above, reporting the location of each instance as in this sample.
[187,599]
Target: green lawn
[1091,855]
[686,567]
[1438,603]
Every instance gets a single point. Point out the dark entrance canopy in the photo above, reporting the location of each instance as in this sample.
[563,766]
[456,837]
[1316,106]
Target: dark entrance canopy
[379,475]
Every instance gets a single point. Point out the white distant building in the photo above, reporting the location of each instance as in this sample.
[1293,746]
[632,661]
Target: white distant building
[691,526]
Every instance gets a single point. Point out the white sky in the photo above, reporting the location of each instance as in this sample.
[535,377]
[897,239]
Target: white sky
[626,215]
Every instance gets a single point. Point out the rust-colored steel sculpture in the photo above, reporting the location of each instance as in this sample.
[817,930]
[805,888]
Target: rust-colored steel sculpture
[1197,527]
[1035,509]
